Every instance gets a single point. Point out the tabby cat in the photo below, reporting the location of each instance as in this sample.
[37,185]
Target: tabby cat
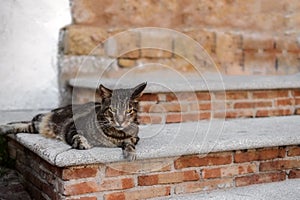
[109,123]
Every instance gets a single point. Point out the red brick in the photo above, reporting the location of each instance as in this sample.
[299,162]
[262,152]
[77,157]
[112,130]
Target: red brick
[174,118]
[270,94]
[82,198]
[203,96]
[297,93]
[231,95]
[81,188]
[206,185]
[139,166]
[258,154]
[229,171]
[166,178]
[79,172]
[184,96]
[242,105]
[259,178]
[294,151]
[149,118]
[144,193]
[239,113]
[279,165]
[168,107]
[200,106]
[273,112]
[294,173]
[297,101]
[117,184]
[149,97]
[207,160]
[204,115]
[285,102]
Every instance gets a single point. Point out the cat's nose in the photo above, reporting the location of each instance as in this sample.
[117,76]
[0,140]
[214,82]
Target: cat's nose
[120,119]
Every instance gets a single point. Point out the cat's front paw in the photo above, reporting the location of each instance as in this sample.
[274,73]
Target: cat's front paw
[129,152]
[80,142]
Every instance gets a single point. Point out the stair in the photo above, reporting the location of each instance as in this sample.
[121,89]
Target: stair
[177,160]
[188,97]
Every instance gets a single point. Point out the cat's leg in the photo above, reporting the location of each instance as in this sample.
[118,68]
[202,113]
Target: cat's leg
[80,142]
[76,140]
[128,148]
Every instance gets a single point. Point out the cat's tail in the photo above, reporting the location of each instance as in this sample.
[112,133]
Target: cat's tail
[17,127]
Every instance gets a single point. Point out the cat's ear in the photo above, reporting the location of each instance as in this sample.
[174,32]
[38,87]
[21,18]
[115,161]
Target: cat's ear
[137,91]
[104,92]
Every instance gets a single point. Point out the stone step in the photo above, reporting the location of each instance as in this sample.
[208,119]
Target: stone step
[285,190]
[186,97]
[173,160]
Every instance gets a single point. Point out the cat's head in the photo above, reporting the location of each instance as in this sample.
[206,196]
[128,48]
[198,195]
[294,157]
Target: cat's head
[120,106]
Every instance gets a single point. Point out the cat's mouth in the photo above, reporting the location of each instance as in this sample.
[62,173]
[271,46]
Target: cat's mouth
[119,128]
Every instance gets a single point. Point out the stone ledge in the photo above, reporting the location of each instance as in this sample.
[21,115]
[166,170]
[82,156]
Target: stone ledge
[186,83]
[168,140]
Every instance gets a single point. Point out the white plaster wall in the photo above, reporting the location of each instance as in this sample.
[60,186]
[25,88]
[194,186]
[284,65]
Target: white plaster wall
[29,32]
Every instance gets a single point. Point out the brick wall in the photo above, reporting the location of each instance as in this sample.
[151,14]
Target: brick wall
[156,177]
[194,106]
[257,37]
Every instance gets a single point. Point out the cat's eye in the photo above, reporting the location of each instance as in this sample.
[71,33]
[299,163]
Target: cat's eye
[130,111]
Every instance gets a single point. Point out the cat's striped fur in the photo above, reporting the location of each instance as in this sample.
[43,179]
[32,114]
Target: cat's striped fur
[109,123]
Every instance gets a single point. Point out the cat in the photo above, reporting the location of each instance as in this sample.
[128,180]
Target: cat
[112,122]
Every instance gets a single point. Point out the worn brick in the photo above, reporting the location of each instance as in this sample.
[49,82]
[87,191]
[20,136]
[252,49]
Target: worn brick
[79,172]
[279,165]
[285,102]
[296,93]
[206,160]
[206,185]
[273,112]
[294,173]
[232,95]
[168,107]
[182,117]
[258,154]
[203,96]
[149,97]
[82,198]
[186,96]
[126,63]
[116,184]
[139,166]
[259,63]
[255,42]
[166,178]
[238,113]
[200,106]
[146,118]
[81,188]
[123,45]
[157,44]
[144,193]
[229,171]
[270,94]
[260,104]
[82,40]
[294,151]
[259,178]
